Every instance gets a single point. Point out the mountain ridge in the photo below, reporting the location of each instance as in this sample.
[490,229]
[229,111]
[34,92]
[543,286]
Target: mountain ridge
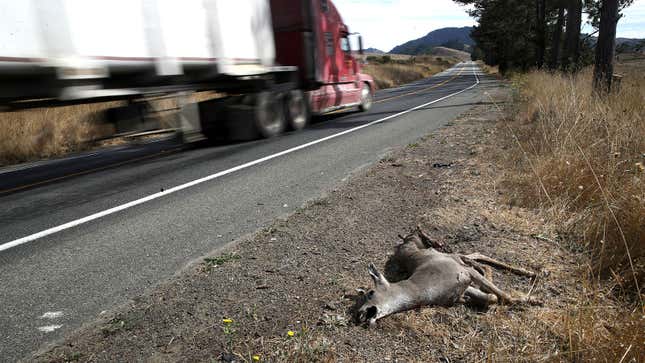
[451,37]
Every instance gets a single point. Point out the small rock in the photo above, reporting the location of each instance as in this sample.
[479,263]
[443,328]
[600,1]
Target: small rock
[330,306]
[228,358]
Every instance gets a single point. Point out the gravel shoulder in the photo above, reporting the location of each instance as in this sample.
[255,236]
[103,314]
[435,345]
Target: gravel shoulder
[300,274]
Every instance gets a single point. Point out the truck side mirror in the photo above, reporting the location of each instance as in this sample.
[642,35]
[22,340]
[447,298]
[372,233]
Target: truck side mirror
[361,51]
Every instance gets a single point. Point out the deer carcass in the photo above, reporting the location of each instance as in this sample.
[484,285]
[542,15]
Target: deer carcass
[435,279]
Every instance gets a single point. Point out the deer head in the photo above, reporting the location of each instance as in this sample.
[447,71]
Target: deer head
[382,300]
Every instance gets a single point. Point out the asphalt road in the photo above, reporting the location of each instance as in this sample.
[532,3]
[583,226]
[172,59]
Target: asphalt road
[53,284]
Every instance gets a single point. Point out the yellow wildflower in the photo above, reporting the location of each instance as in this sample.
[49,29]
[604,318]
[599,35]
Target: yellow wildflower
[227,321]
[256,358]
[290,333]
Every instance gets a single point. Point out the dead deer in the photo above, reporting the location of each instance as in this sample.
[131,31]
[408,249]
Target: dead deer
[435,279]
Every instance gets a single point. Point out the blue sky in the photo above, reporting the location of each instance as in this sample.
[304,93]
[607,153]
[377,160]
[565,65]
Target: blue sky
[387,23]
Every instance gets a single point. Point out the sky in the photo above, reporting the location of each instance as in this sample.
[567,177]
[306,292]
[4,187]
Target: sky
[385,24]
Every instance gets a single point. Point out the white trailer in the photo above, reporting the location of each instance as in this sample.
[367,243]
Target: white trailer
[56,52]
[105,47]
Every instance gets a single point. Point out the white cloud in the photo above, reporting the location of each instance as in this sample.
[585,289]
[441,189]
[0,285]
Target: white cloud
[387,23]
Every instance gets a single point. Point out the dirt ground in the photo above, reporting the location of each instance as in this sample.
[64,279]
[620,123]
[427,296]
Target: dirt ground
[300,274]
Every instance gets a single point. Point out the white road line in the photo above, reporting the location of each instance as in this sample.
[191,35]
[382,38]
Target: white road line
[52,315]
[49,328]
[220,174]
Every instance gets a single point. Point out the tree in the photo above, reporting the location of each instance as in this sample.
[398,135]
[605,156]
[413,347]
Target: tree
[606,46]
[514,33]
[571,54]
[506,32]
[540,39]
[557,37]
[592,8]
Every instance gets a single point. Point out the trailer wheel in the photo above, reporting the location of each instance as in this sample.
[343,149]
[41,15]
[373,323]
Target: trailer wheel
[269,114]
[297,110]
[366,98]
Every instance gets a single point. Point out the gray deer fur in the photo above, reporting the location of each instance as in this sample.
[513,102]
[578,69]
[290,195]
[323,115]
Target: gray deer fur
[435,279]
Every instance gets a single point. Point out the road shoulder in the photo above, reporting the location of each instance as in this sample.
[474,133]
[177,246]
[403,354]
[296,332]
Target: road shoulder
[300,274]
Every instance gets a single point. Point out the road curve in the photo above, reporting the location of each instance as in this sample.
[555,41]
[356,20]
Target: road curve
[154,216]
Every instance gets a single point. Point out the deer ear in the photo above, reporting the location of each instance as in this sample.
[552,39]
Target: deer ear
[379,279]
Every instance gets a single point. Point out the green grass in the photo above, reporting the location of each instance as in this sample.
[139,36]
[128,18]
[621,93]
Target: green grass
[220,260]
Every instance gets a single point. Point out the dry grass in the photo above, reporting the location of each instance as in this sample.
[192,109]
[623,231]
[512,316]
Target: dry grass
[587,154]
[631,63]
[579,158]
[44,133]
[400,70]
[492,70]
[48,132]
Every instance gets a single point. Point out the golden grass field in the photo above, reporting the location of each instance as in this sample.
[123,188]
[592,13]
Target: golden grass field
[579,158]
[402,69]
[41,133]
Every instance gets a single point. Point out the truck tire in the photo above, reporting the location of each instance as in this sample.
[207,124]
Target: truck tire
[269,114]
[366,98]
[296,109]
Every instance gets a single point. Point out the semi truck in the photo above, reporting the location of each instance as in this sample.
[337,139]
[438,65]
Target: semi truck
[273,63]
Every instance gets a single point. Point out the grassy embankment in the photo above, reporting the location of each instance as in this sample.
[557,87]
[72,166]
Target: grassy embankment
[579,159]
[394,70]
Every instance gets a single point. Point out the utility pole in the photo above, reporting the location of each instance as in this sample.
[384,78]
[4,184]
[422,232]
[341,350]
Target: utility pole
[606,47]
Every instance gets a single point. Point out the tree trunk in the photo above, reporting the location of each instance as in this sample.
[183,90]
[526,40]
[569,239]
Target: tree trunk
[572,46]
[606,47]
[541,30]
[557,36]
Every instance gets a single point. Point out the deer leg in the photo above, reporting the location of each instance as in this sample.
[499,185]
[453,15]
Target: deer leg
[474,296]
[495,263]
[430,243]
[485,270]
[503,296]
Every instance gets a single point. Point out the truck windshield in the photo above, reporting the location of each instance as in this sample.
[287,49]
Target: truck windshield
[344,45]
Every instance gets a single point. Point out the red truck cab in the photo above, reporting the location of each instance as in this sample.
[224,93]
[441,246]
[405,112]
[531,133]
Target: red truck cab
[311,35]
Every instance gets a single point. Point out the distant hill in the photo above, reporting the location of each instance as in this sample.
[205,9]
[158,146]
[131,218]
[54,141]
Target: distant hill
[623,45]
[454,38]
[448,52]
[374,51]
[629,41]
[629,45]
